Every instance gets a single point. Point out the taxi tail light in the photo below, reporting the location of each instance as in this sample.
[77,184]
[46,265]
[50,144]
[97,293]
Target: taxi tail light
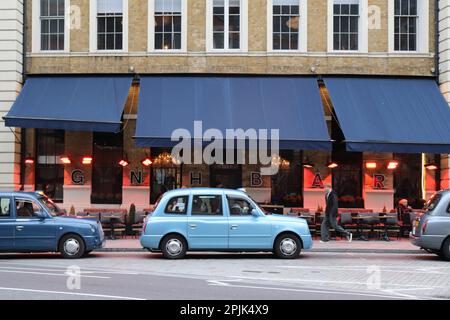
[424,227]
[145,227]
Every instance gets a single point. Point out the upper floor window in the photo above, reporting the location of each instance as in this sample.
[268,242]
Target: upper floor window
[409,25]
[168,16]
[52,24]
[405,25]
[286,23]
[346,15]
[109,25]
[226,24]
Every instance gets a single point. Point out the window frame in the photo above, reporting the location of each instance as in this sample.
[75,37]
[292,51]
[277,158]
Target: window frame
[191,211]
[57,165]
[10,216]
[422,35]
[184,212]
[151,30]
[243,32]
[36,29]
[93,34]
[33,201]
[239,198]
[363,29]
[302,34]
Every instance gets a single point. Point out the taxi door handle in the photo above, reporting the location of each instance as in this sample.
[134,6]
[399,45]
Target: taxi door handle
[19,228]
[234,226]
[192,226]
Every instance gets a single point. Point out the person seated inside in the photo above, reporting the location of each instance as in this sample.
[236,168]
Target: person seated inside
[403,211]
[24,210]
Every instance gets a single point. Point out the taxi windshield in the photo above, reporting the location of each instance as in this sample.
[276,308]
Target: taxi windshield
[52,208]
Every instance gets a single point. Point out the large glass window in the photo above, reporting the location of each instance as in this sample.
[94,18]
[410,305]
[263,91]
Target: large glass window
[287,184]
[346,24]
[165,175]
[286,24]
[109,25]
[226,24]
[168,18]
[408,180]
[405,25]
[49,176]
[348,176]
[106,172]
[52,24]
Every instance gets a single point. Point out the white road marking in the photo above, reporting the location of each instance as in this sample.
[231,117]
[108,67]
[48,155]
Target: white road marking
[324,281]
[63,268]
[393,296]
[50,274]
[72,293]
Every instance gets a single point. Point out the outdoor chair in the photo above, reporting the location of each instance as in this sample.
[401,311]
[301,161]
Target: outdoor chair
[347,222]
[138,224]
[391,225]
[406,224]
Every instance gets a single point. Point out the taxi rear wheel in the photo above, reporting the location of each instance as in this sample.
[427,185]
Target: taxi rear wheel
[173,247]
[287,246]
[72,246]
[445,253]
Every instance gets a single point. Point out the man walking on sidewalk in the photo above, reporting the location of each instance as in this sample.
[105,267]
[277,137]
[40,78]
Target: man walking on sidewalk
[330,218]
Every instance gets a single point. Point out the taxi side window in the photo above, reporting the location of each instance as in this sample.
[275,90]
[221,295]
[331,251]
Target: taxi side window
[26,208]
[5,207]
[239,206]
[177,205]
[207,205]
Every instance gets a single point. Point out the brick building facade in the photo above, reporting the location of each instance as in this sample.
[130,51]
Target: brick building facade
[319,51]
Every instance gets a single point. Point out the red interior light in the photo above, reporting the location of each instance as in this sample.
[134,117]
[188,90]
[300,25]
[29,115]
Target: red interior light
[29,160]
[392,165]
[65,160]
[87,160]
[147,162]
[431,166]
[332,165]
[124,163]
[371,165]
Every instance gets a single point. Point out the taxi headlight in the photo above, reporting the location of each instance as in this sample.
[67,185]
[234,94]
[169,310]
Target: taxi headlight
[93,229]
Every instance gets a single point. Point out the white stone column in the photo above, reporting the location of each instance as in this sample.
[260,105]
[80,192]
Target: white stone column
[11,48]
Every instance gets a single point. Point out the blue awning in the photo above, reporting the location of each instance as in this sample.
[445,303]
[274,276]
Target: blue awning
[391,115]
[290,104]
[71,103]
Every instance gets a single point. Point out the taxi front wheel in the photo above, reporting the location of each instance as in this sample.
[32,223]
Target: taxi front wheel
[72,246]
[287,246]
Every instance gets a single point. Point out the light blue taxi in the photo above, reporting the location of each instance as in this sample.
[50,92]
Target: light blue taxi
[205,219]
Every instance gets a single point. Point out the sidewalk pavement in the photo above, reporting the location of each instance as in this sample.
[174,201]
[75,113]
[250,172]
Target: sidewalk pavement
[356,246]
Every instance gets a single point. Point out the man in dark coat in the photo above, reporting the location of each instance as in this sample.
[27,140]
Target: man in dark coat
[330,218]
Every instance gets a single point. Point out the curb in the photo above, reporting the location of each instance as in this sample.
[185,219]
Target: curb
[382,251]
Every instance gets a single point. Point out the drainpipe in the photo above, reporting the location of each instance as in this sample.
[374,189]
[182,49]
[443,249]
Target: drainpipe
[23,133]
[436,26]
